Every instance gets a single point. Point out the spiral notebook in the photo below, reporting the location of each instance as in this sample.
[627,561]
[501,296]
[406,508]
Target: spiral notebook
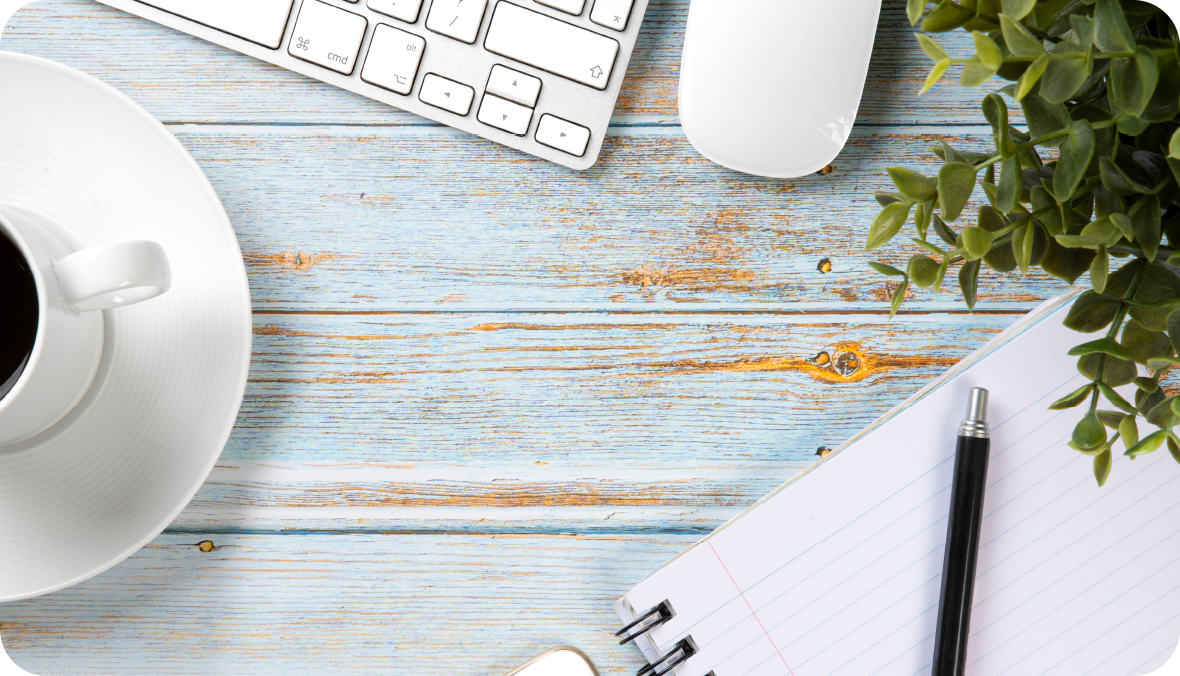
[837,572]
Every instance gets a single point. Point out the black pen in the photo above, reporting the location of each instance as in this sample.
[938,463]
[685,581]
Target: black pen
[962,539]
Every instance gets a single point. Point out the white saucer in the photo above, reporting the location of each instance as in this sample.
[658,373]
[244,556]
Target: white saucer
[108,478]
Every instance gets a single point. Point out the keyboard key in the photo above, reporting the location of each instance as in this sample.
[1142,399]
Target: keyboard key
[611,13]
[406,10]
[260,21]
[555,46]
[393,59]
[327,36]
[446,94]
[574,7]
[504,114]
[459,19]
[563,135]
[514,86]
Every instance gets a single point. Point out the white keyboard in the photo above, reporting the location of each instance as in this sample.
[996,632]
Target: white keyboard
[540,76]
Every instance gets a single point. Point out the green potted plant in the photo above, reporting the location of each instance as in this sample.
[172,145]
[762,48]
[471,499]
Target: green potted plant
[1092,186]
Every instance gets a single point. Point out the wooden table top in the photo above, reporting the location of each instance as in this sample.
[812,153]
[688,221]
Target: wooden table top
[488,393]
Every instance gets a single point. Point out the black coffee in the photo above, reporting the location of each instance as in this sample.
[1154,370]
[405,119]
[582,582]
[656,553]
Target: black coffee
[18,314]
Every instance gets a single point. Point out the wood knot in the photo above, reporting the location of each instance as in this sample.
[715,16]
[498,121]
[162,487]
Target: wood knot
[826,170]
[844,363]
[822,451]
[825,265]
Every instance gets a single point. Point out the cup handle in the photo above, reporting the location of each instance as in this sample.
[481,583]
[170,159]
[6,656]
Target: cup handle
[113,275]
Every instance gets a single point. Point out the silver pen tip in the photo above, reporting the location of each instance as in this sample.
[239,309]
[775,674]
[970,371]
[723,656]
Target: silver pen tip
[977,405]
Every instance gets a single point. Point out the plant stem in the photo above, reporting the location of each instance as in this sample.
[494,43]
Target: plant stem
[1114,329]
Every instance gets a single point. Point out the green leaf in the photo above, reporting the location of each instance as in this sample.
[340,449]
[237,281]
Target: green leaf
[1064,77]
[1132,81]
[947,16]
[1174,447]
[887,198]
[898,296]
[1115,398]
[1174,145]
[1148,444]
[1145,224]
[1101,346]
[1172,324]
[1020,41]
[1111,32]
[1083,30]
[946,234]
[1165,101]
[887,224]
[1099,268]
[1030,77]
[956,182]
[946,261]
[886,269]
[1089,433]
[987,50]
[936,73]
[976,72]
[1117,181]
[969,282]
[913,185]
[1163,414]
[1159,285]
[1074,159]
[1102,465]
[1129,431]
[1066,264]
[1110,418]
[922,217]
[913,10]
[999,258]
[1115,372]
[976,241]
[996,112]
[1017,9]
[923,270]
[1073,398]
[1091,312]
[1023,238]
[1160,363]
[1147,384]
[1142,344]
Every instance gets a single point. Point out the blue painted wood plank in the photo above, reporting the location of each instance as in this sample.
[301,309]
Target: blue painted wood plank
[553,422]
[353,218]
[295,604]
[182,79]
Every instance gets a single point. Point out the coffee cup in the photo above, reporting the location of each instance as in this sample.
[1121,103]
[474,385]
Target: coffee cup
[56,291]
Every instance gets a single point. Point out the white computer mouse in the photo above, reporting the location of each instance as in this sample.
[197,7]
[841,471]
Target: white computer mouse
[771,87]
[560,661]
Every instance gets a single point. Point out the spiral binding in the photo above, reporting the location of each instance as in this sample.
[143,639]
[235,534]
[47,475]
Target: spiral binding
[683,648]
[663,610]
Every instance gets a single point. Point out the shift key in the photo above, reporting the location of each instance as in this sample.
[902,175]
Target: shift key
[551,45]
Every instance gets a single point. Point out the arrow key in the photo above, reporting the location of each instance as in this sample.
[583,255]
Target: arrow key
[562,134]
[514,86]
[446,94]
[504,114]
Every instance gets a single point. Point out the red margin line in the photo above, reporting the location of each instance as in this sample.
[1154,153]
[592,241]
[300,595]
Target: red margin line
[739,589]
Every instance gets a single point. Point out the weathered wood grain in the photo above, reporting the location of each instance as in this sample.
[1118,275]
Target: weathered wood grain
[350,218]
[553,422]
[182,79]
[294,604]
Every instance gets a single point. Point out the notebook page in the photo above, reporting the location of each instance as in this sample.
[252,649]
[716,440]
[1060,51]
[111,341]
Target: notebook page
[839,573]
